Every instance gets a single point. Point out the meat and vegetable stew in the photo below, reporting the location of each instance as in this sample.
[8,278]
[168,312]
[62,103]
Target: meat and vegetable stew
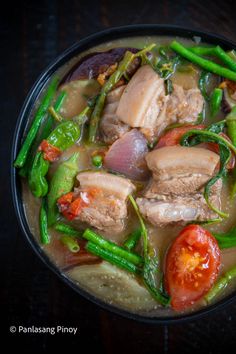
[129,177]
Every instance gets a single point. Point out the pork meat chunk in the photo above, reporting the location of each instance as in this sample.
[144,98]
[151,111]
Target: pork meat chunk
[111,127]
[180,209]
[143,103]
[107,210]
[175,192]
[184,106]
[180,170]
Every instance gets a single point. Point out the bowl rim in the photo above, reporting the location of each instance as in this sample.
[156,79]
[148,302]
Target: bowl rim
[21,125]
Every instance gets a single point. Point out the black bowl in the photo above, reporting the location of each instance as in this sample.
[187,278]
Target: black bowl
[81,46]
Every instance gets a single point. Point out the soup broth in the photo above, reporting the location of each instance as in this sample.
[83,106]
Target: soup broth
[98,277]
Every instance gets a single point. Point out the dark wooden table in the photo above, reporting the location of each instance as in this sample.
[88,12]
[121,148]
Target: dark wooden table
[32,35]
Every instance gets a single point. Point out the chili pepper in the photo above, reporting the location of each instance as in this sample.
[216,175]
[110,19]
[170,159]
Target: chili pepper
[31,135]
[61,183]
[43,134]
[62,137]
[215,101]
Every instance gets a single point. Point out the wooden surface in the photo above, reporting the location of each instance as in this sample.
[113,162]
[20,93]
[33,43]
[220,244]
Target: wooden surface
[33,34]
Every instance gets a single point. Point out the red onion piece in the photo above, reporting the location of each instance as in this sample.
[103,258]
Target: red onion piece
[126,156]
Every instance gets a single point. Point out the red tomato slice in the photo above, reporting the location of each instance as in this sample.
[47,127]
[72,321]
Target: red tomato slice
[192,266]
[50,153]
[173,136]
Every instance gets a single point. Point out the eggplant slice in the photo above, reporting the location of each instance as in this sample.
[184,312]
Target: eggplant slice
[93,64]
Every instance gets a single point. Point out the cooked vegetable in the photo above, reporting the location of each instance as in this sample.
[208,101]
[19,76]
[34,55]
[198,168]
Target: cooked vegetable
[166,67]
[62,182]
[55,114]
[112,258]
[203,63]
[71,205]
[194,137]
[151,263]
[32,133]
[231,125]
[169,87]
[93,64]
[173,136]
[70,243]
[62,137]
[43,134]
[43,224]
[126,156]
[67,229]
[215,101]
[202,84]
[112,247]
[192,266]
[220,285]
[226,239]
[111,82]
[97,161]
[216,51]
[133,239]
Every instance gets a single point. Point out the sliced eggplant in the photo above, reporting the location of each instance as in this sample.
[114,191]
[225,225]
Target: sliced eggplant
[93,64]
[114,286]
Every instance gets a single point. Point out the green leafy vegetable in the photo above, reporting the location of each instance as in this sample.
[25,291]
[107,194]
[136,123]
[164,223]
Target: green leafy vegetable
[194,137]
[151,264]
[227,239]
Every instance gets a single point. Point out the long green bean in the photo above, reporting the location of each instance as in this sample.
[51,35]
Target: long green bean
[31,135]
[70,243]
[133,239]
[112,258]
[67,229]
[220,285]
[203,63]
[112,247]
[215,51]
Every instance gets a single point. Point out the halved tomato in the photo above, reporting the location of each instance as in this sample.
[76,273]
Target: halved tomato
[192,266]
[173,136]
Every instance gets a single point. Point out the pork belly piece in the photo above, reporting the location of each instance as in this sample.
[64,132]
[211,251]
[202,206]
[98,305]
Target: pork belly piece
[179,169]
[143,103]
[111,127]
[175,193]
[181,209]
[184,106]
[108,209]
